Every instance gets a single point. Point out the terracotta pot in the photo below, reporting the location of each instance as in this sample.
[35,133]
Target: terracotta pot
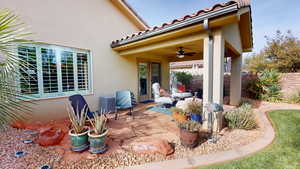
[179,117]
[189,139]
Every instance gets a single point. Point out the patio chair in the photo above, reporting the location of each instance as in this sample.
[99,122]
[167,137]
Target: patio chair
[178,94]
[78,103]
[124,100]
[158,98]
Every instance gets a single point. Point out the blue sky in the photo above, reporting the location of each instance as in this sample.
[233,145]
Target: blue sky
[268,15]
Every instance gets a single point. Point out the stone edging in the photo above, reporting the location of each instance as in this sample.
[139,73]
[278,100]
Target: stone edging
[219,157]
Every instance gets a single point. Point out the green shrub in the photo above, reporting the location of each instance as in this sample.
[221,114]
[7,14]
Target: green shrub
[266,86]
[294,98]
[184,78]
[241,118]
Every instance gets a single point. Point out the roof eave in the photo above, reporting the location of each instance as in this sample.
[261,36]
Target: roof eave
[130,13]
[192,21]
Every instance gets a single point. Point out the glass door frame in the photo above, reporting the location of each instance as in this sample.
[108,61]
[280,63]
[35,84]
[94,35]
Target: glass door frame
[148,96]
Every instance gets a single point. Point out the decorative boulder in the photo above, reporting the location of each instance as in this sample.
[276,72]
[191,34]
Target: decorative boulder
[50,137]
[156,146]
[18,125]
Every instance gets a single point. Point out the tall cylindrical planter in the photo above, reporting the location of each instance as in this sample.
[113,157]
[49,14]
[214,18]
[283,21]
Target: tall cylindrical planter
[79,141]
[196,117]
[97,142]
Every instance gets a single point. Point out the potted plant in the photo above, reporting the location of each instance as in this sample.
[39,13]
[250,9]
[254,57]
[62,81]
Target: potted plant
[189,133]
[178,114]
[195,109]
[79,131]
[97,134]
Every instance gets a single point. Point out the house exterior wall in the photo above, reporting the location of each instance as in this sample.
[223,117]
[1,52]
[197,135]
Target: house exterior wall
[90,25]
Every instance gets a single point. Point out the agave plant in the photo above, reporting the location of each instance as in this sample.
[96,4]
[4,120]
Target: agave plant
[77,120]
[99,123]
[12,33]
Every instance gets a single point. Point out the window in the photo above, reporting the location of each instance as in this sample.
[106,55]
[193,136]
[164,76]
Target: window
[28,80]
[67,71]
[49,67]
[82,71]
[54,71]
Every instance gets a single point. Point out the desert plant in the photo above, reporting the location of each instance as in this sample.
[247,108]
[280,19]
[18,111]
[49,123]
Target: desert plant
[269,81]
[190,126]
[195,107]
[99,123]
[12,33]
[77,120]
[241,118]
[294,98]
[266,86]
[184,78]
[177,110]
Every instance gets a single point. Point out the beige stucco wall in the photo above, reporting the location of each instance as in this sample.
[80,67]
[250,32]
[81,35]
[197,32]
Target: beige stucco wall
[232,35]
[91,25]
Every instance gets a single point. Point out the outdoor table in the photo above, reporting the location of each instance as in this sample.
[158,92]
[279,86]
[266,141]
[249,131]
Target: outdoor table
[108,104]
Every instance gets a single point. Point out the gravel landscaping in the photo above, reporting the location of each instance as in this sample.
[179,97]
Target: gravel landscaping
[36,156]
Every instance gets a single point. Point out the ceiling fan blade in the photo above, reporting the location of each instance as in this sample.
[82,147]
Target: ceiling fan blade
[190,54]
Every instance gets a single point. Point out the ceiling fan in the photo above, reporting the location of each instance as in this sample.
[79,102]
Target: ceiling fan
[181,54]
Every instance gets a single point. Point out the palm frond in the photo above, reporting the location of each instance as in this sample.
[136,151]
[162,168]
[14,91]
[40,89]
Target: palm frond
[12,33]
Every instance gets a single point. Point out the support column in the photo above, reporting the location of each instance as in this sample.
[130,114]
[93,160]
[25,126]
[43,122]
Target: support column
[236,81]
[218,70]
[207,70]
[207,75]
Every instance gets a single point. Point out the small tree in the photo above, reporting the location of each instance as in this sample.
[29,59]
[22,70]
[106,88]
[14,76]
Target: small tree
[282,53]
[184,78]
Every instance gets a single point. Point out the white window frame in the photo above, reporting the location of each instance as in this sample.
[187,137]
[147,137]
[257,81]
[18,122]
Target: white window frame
[58,51]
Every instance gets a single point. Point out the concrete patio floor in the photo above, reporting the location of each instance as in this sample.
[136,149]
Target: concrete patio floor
[142,126]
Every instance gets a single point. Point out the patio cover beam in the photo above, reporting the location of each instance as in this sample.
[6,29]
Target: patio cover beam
[164,44]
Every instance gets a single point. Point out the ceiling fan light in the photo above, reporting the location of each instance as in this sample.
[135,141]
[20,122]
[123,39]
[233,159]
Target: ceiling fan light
[180,56]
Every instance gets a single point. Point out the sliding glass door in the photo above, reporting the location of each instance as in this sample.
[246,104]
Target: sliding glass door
[149,73]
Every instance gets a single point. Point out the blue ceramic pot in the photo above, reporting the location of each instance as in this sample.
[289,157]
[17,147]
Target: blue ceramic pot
[196,117]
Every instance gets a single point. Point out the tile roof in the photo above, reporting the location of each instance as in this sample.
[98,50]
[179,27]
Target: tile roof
[239,3]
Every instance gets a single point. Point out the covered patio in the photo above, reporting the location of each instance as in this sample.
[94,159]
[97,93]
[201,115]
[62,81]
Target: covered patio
[213,34]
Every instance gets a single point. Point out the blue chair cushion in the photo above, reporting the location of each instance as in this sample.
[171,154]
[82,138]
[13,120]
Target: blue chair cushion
[78,103]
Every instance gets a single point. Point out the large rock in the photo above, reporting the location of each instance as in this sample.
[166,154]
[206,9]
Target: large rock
[52,136]
[152,147]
